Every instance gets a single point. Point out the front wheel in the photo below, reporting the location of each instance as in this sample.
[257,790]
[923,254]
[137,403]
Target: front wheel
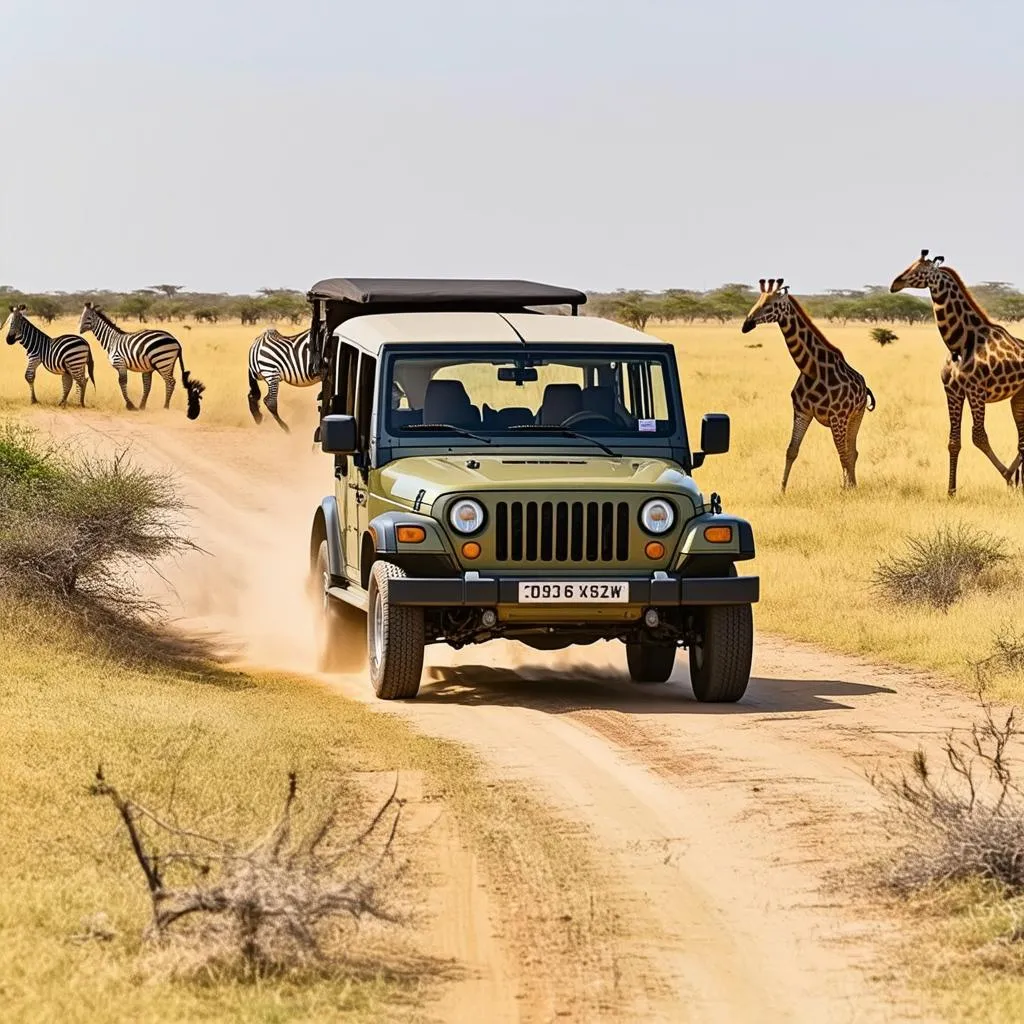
[721,654]
[395,638]
[650,663]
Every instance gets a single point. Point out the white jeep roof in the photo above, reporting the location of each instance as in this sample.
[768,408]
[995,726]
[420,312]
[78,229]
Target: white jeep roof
[376,329]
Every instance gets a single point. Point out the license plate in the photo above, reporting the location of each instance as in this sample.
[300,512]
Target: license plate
[573,593]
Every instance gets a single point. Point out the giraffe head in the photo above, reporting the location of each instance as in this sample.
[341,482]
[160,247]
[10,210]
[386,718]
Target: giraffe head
[14,324]
[90,318]
[771,304]
[922,273]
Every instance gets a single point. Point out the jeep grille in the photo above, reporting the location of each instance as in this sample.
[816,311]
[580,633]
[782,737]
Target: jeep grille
[562,531]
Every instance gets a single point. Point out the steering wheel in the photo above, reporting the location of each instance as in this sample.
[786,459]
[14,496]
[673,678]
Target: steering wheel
[586,416]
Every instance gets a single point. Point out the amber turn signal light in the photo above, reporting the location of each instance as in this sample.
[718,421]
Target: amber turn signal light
[654,549]
[471,549]
[411,534]
[718,534]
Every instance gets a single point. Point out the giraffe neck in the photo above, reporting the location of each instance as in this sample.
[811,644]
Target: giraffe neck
[36,342]
[803,339]
[957,313]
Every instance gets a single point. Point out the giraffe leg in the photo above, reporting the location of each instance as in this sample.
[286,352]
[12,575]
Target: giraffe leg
[979,435]
[852,429]
[801,421]
[30,376]
[838,426]
[67,380]
[955,406]
[271,402]
[147,383]
[1015,474]
[122,379]
[169,383]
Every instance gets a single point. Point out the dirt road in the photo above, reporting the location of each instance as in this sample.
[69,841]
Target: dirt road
[724,825]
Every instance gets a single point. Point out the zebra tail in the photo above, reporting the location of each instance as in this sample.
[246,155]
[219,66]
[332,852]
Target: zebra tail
[195,389]
[871,399]
[90,365]
[254,397]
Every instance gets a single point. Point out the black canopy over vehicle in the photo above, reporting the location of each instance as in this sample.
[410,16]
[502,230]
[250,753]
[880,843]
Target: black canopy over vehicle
[337,299]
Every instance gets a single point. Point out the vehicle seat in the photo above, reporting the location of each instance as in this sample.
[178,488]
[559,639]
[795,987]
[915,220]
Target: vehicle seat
[446,401]
[560,402]
[405,417]
[502,419]
[600,400]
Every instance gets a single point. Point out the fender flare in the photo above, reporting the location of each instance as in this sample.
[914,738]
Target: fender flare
[327,526]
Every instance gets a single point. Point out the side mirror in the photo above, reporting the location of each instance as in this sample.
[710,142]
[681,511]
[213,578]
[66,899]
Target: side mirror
[338,434]
[714,437]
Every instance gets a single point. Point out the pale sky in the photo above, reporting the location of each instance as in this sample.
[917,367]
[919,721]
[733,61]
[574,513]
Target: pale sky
[234,144]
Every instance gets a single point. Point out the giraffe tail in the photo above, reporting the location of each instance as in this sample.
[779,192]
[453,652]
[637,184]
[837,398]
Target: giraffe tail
[871,399]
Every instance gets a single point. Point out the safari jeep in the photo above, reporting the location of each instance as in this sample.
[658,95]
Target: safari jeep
[505,472]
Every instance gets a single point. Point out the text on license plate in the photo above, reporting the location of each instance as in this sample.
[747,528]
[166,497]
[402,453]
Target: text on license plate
[582,593]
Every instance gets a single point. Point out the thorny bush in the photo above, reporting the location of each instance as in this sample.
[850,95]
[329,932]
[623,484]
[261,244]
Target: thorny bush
[72,527]
[965,823]
[938,568]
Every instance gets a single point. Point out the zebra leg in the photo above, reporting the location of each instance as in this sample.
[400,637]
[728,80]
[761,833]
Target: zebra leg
[81,380]
[67,380]
[271,402]
[147,383]
[169,383]
[30,376]
[122,379]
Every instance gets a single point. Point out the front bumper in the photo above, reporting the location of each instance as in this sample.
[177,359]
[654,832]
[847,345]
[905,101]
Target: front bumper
[660,590]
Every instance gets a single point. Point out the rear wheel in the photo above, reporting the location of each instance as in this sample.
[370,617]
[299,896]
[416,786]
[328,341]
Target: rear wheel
[395,638]
[650,663]
[339,626]
[721,655]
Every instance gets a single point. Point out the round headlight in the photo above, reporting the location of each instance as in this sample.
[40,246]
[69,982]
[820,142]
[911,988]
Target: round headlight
[466,515]
[657,516]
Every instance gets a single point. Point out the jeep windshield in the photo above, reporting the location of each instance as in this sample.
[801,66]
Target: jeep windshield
[517,394]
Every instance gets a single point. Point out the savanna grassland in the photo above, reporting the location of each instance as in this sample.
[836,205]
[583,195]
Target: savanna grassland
[818,546]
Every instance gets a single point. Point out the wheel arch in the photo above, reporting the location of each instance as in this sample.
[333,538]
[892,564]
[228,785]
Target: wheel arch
[327,526]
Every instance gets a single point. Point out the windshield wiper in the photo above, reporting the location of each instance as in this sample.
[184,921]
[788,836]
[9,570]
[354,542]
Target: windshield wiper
[447,426]
[567,432]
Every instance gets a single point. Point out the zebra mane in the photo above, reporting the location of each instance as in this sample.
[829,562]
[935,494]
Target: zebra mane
[106,318]
[29,331]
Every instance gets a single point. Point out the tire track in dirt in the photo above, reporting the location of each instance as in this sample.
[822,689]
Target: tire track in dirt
[723,825]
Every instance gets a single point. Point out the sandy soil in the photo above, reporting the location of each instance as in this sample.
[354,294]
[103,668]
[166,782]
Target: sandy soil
[727,827]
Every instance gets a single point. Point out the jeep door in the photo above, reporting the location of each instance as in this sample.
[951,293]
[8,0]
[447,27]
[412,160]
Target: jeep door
[356,494]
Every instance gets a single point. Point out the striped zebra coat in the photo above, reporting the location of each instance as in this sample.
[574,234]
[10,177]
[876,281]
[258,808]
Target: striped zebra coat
[275,357]
[67,355]
[146,352]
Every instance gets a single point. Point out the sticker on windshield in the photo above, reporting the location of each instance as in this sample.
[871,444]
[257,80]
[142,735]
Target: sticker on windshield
[647,426]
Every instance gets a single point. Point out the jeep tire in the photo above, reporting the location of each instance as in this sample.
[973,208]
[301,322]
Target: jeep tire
[720,660]
[395,638]
[649,662]
[339,626]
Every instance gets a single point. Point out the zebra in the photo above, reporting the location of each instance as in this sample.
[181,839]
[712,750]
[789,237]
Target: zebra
[68,355]
[142,352]
[276,357]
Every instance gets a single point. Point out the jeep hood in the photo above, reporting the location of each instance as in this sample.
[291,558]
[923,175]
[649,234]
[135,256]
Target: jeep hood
[427,478]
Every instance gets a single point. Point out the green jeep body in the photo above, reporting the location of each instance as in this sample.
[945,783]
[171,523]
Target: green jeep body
[561,554]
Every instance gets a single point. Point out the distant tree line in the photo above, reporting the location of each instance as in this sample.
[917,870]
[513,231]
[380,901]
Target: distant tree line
[167,302]
[872,304]
[161,303]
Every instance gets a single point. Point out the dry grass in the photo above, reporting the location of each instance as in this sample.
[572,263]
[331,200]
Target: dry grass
[818,547]
[214,745]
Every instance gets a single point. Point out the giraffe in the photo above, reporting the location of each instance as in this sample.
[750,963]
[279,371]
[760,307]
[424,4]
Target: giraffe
[828,389]
[985,364]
